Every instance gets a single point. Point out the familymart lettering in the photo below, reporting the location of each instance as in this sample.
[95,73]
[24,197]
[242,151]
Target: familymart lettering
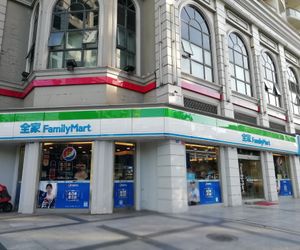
[37,127]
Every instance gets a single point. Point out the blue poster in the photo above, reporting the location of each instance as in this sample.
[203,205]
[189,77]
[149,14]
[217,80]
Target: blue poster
[73,195]
[210,192]
[285,187]
[123,194]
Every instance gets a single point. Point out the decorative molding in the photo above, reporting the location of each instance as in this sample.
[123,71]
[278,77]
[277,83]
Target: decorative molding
[268,42]
[237,20]
[290,57]
[78,81]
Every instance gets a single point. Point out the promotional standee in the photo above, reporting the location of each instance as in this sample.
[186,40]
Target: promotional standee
[65,175]
[202,175]
[282,171]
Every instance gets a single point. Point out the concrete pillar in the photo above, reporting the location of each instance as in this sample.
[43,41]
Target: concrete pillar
[102,177]
[269,178]
[223,76]
[3,4]
[230,176]
[30,178]
[295,175]
[171,177]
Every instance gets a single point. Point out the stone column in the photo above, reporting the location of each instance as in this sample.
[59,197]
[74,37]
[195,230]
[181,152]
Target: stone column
[269,178]
[171,177]
[295,174]
[102,177]
[230,176]
[30,178]
[167,47]
[3,4]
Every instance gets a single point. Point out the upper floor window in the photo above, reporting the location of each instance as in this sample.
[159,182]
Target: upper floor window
[270,80]
[126,35]
[239,65]
[30,54]
[74,33]
[196,44]
[294,91]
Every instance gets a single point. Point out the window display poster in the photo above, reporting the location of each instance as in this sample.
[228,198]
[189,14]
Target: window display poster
[73,195]
[210,192]
[285,188]
[47,195]
[123,194]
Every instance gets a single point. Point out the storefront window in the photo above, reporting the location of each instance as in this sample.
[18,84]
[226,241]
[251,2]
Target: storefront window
[282,172]
[202,174]
[64,175]
[124,172]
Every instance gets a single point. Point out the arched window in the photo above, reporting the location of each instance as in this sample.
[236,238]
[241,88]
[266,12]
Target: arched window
[126,35]
[74,33]
[239,65]
[294,90]
[196,45]
[270,80]
[30,54]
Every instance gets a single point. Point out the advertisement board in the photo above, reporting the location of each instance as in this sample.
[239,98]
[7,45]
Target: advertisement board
[123,194]
[210,192]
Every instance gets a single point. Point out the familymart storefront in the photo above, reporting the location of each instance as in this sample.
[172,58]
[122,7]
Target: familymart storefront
[103,160]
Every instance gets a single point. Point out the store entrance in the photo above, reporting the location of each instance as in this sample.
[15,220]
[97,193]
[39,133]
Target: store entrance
[283,177]
[251,179]
[202,174]
[124,175]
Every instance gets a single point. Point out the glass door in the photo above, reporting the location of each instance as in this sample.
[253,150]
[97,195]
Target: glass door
[124,175]
[251,179]
[282,172]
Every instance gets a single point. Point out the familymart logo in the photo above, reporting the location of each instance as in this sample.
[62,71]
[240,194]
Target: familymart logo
[37,127]
[251,139]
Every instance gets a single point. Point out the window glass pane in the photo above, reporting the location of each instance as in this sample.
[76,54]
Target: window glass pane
[230,55]
[121,15]
[185,65]
[246,65]
[241,87]
[197,53]
[74,54]
[76,6]
[131,42]
[272,99]
[238,59]
[184,15]
[131,20]
[233,84]
[231,69]
[121,58]
[74,40]
[186,47]
[269,75]
[197,70]
[91,21]
[121,37]
[195,36]
[247,76]
[75,20]
[248,90]
[90,36]
[56,39]
[90,58]
[207,57]
[184,31]
[206,42]
[208,74]
[55,60]
[57,25]
[130,59]
[239,73]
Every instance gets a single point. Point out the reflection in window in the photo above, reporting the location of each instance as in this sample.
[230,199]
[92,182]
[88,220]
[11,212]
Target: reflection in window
[195,44]
[126,34]
[294,91]
[74,33]
[239,65]
[270,81]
